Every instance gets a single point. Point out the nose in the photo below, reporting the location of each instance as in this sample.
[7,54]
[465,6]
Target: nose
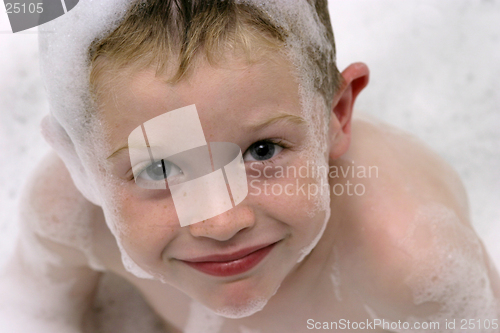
[226,225]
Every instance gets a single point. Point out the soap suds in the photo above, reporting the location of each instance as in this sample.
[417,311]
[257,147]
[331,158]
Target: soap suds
[452,276]
[455,274]
[241,311]
[335,275]
[202,319]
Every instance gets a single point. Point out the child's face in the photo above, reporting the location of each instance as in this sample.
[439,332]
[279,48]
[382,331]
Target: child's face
[239,103]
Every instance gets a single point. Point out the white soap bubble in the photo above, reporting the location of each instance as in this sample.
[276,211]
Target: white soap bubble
[241,311]
[202,319]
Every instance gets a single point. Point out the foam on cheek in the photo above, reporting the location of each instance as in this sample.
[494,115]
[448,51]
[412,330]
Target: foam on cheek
[130,264]
[316,152]
[306,250]
[118,229]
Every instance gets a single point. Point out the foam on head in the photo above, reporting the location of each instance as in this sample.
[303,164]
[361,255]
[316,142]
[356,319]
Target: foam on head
[309,40]
[63,45]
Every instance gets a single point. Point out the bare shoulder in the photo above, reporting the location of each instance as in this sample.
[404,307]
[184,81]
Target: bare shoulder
[55,211]
[413,231]
[405,161]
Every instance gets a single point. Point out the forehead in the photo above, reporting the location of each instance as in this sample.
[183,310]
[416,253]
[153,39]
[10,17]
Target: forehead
[230,94]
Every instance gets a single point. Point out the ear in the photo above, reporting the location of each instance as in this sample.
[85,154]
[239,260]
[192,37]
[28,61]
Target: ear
[56,136]
[355,78]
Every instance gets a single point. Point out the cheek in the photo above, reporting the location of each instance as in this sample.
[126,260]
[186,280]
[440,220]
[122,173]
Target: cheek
[145,221]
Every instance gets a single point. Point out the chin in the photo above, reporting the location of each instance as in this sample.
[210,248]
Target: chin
[242,303]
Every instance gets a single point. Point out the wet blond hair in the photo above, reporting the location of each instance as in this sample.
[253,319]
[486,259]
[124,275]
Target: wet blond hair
[161,32]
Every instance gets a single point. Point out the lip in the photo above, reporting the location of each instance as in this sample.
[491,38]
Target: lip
[230,264]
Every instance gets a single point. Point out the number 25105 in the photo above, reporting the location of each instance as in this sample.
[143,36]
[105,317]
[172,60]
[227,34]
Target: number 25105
[17,8]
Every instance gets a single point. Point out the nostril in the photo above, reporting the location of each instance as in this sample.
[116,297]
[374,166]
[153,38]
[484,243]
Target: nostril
[224,226]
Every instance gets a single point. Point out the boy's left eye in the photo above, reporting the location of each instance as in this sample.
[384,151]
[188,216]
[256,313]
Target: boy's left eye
[159,170]
[261,151]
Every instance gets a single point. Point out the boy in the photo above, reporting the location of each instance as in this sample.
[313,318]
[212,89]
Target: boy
[344,220]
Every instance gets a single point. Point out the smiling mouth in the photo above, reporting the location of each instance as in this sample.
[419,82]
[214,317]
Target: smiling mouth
[228,265]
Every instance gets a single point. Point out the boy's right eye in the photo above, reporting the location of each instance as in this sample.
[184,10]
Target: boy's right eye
[159,170]
[262,151]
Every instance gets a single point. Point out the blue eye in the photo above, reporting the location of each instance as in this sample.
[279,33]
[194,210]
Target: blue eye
[262,150]
[160,170]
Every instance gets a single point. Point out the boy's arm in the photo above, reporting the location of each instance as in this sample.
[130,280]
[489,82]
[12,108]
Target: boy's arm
[47,286]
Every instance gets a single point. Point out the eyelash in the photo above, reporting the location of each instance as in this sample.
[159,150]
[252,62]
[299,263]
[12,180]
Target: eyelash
[138,172]
[279,142]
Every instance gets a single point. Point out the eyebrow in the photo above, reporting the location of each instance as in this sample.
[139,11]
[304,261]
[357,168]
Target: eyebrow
[117,152]
[280,117]
[263,124]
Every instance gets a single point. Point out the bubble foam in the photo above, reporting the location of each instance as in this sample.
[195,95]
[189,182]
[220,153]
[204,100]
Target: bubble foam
[453,276]
[202,319]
